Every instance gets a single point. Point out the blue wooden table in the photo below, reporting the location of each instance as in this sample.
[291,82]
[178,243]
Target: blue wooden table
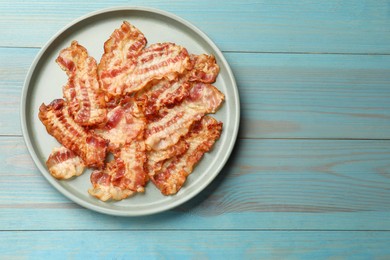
[309,176]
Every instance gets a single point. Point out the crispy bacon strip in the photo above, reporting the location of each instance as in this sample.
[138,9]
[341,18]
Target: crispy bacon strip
[165,132]
[173,173]
[168,93]
[119,57]
[64,164]
[86,100]
[58,123]
[160,60]
[123,176]
[162,93]
[102,186]
[205,68]
[127,67]
[155,159]
[125,122]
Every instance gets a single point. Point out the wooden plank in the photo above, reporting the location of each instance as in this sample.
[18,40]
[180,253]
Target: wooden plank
[313,96]
[14,64]
[258,26]
[267,184]
[195,244]
[282,96]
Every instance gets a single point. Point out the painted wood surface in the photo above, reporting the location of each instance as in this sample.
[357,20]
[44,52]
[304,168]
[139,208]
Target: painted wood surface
[334,26]
[195,245]
[308,178]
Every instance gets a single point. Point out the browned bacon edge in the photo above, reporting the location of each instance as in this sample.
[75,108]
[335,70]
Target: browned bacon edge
[156,159]
[168,93]
[173,173]
[159,60]
[64,164]
[103,186]
[59,124]
[120,52]
[205,68]
[128,40]
[165,132]
[123,176]
[82,91]
[126,66]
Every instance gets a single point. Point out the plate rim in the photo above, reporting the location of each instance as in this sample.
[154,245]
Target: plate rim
[110,211]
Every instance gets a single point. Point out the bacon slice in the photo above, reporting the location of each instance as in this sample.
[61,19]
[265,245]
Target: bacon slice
[165,132]
[58,123]
[125,123]
[168,93]
[160,60]
[119,57]
[205,68]
[127,67]
[155,159]
[162,93]
[86,100]
[64,164]
[173,173]
[123,176]
[103,188]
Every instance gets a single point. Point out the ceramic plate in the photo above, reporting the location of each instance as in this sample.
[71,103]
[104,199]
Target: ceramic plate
[45,80]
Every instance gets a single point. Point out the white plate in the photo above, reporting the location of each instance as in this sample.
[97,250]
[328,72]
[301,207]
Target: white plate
[44,83]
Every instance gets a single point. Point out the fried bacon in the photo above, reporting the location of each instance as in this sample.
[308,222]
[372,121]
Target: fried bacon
[168,93]
[125,122]
[91,148]
[165,132]
[119,57]
[162,93]
[64,164]
[155,159]
[123,176]
[145,105]
[86,100]
[173,172]
[205,68]
[126,66]
[160,60]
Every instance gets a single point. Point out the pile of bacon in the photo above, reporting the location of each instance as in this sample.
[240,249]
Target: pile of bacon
[147,106]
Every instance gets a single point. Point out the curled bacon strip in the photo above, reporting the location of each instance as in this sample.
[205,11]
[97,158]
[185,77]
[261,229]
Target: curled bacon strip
[127,67]
[203,99]
[162,93]
[119,55]
[155,159]
[86,101]
[168,93]
[205,68]
[173,172]
[58,123]
[123,176]
[64,164]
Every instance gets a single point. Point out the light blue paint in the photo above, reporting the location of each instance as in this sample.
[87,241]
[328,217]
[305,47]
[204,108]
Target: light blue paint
[295,187]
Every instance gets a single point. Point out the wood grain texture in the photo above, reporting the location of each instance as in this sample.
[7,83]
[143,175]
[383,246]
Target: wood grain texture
[313,96]
[309,177]
[267,184]
[257,26]
[282,95]
[195,245]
